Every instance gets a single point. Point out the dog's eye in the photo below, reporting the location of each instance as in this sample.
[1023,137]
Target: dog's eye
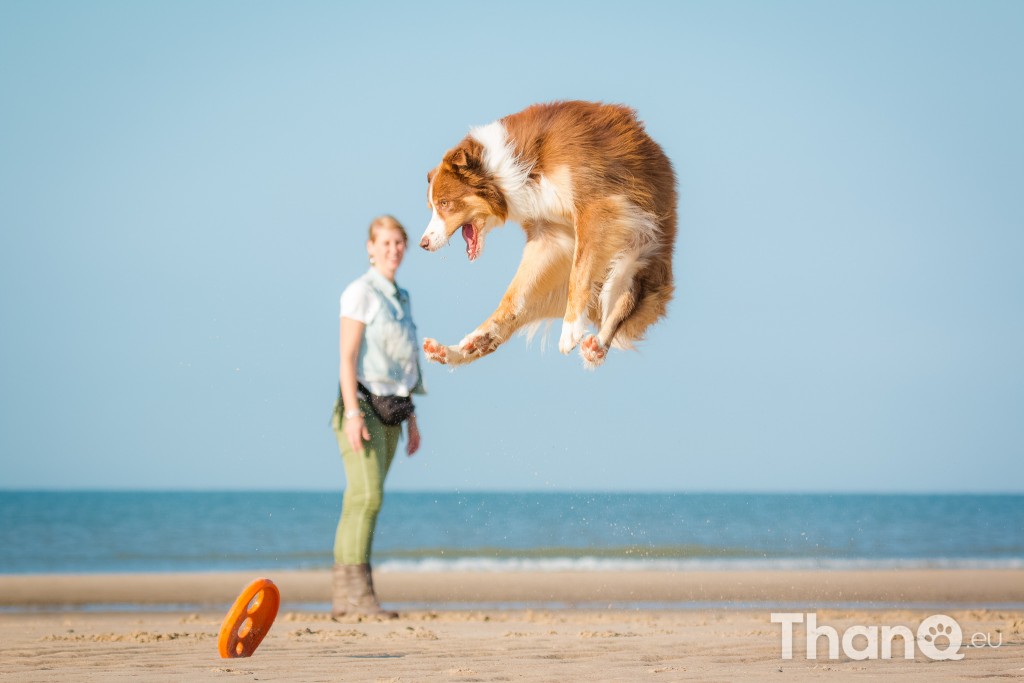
[444,203]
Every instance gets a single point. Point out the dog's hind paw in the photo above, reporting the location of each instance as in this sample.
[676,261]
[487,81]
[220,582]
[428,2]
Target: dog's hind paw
[593,352]
[435,351]
[572,332]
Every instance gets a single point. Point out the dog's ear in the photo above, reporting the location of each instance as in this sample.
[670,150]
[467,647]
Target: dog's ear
[458,158]
[462,160]
[430,175]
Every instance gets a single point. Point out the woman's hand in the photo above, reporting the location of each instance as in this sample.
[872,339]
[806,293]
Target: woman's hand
[413,444]
[357,433]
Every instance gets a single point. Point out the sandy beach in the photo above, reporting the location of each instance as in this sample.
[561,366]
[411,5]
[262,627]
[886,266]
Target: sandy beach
[543,626]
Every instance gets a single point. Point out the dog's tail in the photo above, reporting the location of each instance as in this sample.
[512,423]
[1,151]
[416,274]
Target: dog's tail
[655,290]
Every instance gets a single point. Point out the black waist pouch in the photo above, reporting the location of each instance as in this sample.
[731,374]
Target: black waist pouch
[390,410]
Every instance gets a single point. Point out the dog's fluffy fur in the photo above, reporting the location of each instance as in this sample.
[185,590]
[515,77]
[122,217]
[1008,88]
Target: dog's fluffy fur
[597,199]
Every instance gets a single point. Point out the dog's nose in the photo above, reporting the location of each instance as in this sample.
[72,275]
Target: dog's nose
[425,242]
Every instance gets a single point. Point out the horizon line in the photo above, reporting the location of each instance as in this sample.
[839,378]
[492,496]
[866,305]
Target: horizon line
[456,491]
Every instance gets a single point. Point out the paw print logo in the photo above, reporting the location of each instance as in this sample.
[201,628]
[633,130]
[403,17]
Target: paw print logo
[939,631]
[940,637]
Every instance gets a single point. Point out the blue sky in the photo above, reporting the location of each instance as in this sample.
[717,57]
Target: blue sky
[185,188]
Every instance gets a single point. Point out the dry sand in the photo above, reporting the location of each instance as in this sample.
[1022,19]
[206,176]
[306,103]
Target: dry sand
[46,635]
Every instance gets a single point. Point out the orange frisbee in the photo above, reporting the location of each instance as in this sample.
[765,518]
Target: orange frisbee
[249,619]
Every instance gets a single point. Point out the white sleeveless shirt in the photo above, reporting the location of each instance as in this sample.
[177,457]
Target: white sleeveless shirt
[388,363]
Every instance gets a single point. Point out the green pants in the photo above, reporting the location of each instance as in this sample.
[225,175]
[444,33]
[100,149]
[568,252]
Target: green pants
[364,486]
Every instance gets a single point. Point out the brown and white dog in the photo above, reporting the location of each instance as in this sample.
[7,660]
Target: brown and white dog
[597,199]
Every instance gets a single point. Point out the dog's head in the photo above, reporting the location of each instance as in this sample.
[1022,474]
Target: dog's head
[463,195]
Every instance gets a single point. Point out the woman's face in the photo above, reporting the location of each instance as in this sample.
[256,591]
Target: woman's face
[386,249]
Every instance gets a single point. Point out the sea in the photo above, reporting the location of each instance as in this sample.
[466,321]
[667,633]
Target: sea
[105,532]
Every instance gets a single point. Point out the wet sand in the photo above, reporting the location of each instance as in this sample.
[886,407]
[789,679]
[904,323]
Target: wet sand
[705,626]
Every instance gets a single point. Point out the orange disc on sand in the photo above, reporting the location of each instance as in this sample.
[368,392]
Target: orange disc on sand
[249,619]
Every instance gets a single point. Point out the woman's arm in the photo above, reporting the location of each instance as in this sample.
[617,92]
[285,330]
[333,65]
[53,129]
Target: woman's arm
[351,338]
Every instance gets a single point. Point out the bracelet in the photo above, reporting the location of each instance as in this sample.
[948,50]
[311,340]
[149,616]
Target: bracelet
[355,412]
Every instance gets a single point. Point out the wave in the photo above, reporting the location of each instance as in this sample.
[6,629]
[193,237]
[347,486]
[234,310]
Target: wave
[627,552]
[561,564]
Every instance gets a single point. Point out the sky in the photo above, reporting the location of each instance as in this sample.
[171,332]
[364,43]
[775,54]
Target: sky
[185,189]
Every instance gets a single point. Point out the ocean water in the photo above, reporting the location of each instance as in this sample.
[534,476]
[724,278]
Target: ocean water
[43,532]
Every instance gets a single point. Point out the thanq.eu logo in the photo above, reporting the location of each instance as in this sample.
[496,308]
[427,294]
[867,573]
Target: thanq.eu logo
[939,637]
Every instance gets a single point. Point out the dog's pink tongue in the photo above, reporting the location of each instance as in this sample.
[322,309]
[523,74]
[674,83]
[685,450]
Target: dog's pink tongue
[469,234]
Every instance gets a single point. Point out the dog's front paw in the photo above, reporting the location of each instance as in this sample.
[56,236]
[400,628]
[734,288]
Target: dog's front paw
[572,332]
[435,351]
[593,352]
[479,343]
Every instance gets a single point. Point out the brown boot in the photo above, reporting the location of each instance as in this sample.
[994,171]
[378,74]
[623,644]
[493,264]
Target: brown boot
[339,594]
[361,598]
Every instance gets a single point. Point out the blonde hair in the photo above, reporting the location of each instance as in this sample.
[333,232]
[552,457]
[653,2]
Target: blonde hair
[389,223]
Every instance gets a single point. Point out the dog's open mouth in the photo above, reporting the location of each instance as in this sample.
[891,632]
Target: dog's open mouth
[472,237]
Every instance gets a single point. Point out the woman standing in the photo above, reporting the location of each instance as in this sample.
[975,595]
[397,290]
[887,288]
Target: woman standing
[379,371]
